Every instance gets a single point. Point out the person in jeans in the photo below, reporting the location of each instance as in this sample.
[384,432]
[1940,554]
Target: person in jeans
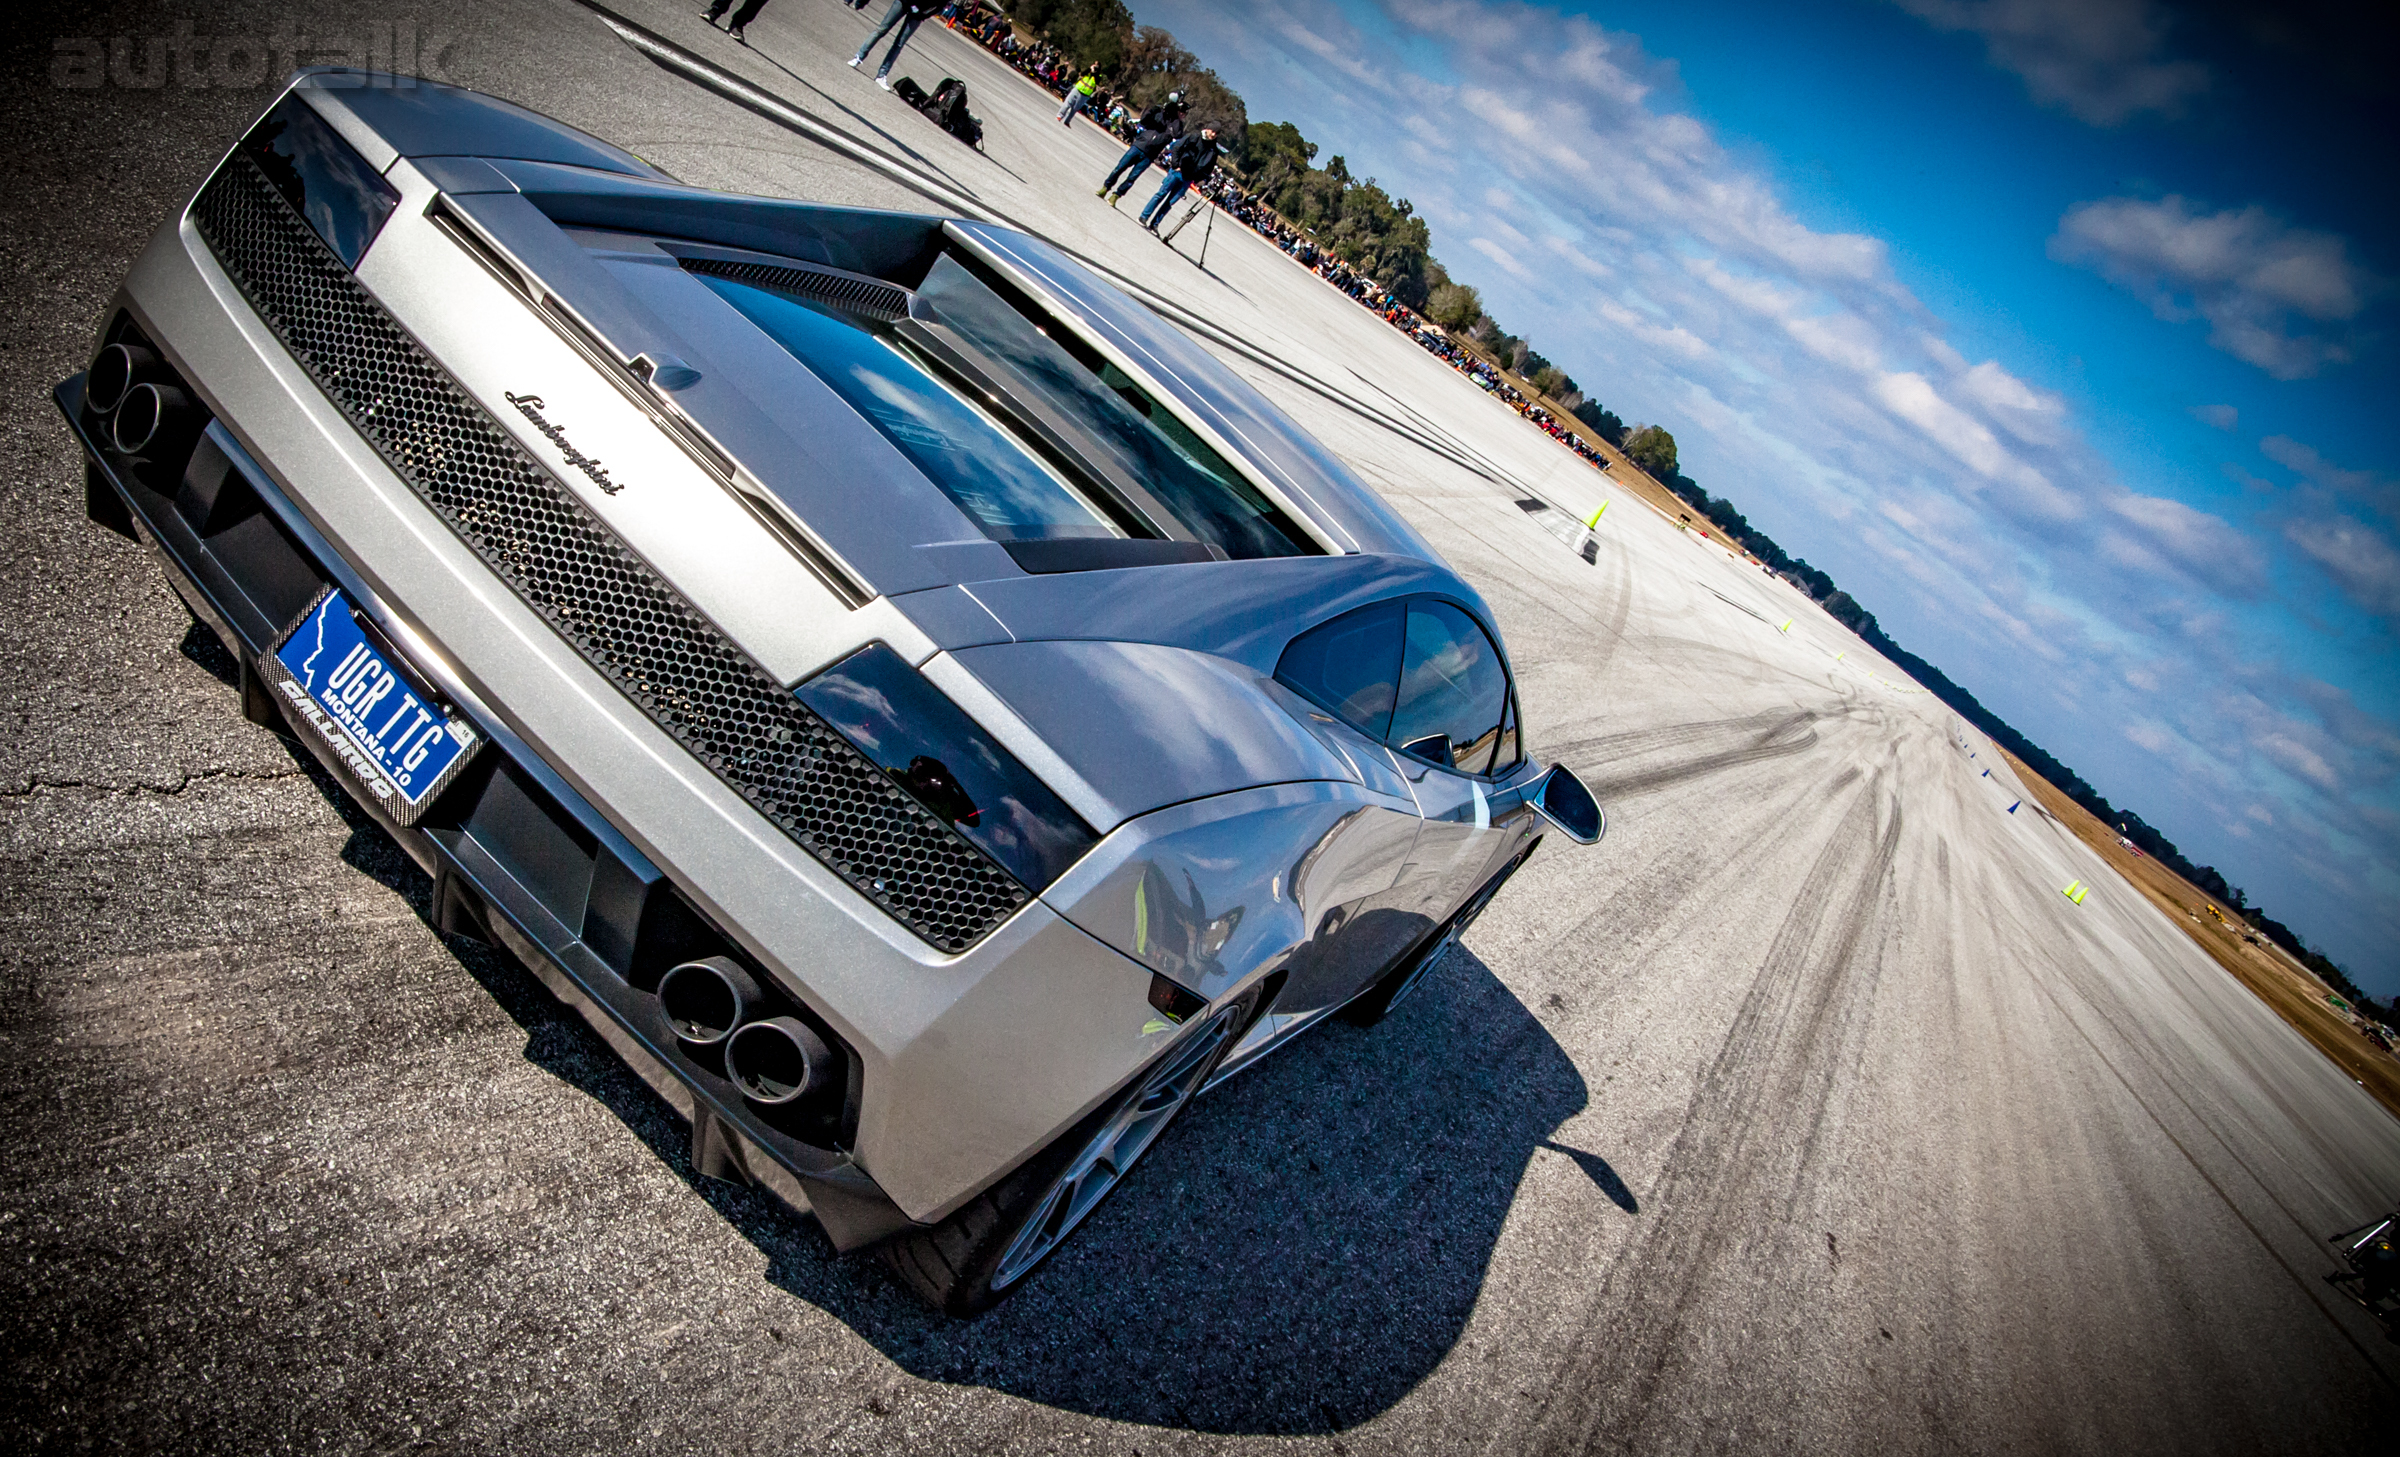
[1187,162]
[1079,96]
[1158,129]
[906,16]
[741,17]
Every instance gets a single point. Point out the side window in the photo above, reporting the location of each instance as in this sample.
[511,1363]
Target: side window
[1506,755]
[1350,666]
[1451,687]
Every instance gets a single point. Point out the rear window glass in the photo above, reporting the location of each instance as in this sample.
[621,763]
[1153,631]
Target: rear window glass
[1158,466]
[1010,492]
[1350,666]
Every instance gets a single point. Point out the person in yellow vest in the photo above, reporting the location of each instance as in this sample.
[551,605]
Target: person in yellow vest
[1079,96]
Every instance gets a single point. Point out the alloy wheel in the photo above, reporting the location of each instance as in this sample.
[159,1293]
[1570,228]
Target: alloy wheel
[1101,1163]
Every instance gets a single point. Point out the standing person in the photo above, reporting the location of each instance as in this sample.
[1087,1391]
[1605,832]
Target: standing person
[906,15]
[1079,96]
[1160,127]
[1188,161]
[741,17]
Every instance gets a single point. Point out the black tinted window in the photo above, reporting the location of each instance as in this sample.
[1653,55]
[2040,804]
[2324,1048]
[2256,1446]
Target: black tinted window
[1136,447]
[1350,665]
[948,764]
[321,177]
[1451,684]
[1504,758]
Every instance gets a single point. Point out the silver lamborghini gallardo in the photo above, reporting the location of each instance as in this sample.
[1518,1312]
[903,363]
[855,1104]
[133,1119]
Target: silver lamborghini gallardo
[930,716]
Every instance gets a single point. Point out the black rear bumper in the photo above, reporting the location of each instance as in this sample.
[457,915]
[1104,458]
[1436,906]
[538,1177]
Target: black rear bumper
[516,855]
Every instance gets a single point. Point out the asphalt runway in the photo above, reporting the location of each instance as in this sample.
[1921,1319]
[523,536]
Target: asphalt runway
[1803,1113]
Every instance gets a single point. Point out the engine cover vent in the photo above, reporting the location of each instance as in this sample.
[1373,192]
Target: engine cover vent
[625,620]
[870,298]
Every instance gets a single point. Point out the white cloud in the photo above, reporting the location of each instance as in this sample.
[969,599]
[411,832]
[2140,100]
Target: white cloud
[1505,260]
[1913,398]
[1763,296]
[2299,759]
[2216,417]
[2149,736]
[2036,417]
[1675,339]
[2253,278]
[2100,60]
[2202,546]
[2365,487]
[1843,339]
[2361,560]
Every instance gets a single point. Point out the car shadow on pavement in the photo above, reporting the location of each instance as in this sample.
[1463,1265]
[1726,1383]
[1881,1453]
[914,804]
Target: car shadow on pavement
[1301,1250]
[1295,1254]
[206,651]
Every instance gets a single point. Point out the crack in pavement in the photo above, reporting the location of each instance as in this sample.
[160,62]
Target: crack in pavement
[38,784]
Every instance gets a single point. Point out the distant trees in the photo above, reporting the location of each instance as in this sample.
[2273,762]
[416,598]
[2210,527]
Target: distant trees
[1273,153]
[1142,62]
[1355,220]
[1095,33]
[1653,449]
[1382,237]
[1454,306]
[1602,420]
[1155,63]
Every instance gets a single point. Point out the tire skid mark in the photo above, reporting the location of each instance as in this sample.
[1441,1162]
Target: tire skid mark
[2310,1287]
[1746,1147]
[1769,735]
[1663,891]
[2156,1060]
[2151,1059]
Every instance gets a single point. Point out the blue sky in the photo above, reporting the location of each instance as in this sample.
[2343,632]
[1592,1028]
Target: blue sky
[2058,331]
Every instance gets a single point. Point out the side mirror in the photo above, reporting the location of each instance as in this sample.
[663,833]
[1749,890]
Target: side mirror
[1433,749]
[1561,799]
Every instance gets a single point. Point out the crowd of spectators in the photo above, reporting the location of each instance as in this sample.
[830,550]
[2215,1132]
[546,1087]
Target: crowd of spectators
[1055,71]
[1045,63]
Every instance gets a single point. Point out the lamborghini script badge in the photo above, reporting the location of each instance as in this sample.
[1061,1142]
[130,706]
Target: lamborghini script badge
[530,406]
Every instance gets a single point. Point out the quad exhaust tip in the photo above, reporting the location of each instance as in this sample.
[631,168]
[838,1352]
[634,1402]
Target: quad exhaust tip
[114,373]
[778,1061]
[151,419]
[706,999]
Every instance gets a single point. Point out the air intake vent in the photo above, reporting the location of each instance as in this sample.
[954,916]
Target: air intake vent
[869,298]
[627,622]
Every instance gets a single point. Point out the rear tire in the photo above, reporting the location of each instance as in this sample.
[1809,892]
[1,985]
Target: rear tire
[1376,1002]
[989,1249]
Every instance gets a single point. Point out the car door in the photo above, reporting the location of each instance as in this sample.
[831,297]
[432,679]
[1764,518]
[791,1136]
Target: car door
[1348,672]
[1451,726]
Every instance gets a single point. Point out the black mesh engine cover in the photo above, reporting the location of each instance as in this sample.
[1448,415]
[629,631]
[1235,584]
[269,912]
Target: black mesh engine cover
[624,619]
[869,297]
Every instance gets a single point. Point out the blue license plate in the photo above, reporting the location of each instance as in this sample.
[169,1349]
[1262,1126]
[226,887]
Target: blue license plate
[394,736]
